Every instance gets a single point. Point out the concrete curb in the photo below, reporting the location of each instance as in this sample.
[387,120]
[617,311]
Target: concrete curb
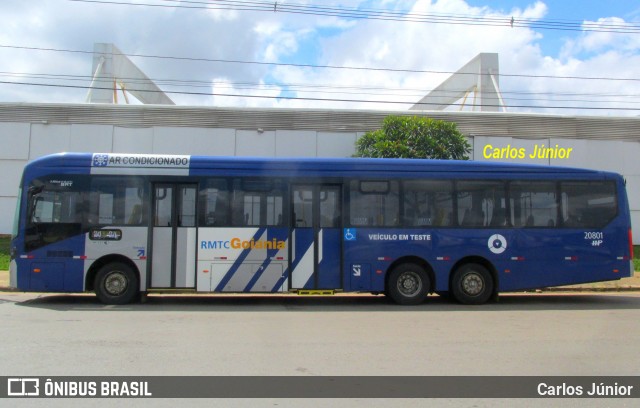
[581,289]
[544,290]
[631,284]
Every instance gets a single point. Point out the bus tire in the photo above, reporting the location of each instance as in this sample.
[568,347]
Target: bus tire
[472,284]
[408,284]
[116,284]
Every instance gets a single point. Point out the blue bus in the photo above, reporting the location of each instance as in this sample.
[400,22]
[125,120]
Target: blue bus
[125,225]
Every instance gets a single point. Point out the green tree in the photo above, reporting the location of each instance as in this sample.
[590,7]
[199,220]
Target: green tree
[414,137]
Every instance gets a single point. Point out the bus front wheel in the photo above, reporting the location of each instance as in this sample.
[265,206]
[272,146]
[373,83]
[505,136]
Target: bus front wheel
[408,284]
[116,284]
[472,284]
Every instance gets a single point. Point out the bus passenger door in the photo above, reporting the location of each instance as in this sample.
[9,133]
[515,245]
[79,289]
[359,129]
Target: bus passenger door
[316,239]
[174,235]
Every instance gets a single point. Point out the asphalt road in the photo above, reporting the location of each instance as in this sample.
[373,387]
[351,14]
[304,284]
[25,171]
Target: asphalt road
[535,334]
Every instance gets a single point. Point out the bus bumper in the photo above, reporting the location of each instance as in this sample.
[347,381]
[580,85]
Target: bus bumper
[13,274]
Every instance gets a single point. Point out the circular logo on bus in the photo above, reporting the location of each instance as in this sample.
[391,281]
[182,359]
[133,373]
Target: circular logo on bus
[497,244]
[100,160]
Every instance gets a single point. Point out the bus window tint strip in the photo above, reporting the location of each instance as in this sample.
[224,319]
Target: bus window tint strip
[485,204]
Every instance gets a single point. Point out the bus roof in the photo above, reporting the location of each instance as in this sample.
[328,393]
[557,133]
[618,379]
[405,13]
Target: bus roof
[327,167]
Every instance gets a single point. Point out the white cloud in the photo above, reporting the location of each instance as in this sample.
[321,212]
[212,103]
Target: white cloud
[208,36]
[602,41]
[227,93]
[416,46]
[277,42]
[222,14]
[438,47]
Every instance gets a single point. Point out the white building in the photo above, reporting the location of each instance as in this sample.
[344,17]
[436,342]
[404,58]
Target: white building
[28,131]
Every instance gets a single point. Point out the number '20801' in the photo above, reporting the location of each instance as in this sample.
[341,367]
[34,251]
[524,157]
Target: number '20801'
[594,235]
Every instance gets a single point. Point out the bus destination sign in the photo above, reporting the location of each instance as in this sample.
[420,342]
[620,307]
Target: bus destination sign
[105,234]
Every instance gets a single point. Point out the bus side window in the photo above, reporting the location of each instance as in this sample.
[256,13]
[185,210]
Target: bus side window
[534,204]
[135,217]
[302,209]
[374,203]
[251,209]
[214,203]
[427,203]
[114,201]
[481,203]
[55,214]
[133,205]
[257,202]
[588,204]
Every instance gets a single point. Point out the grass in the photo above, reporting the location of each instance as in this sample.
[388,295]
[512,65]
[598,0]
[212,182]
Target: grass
[5,241]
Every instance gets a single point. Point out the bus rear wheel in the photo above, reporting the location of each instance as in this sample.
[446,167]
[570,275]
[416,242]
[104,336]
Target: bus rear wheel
[472,284]
[408,284]
[116,284]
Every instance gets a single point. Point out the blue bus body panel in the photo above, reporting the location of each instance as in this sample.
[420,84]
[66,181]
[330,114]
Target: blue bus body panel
[532,258]
[329,265]
[52,268]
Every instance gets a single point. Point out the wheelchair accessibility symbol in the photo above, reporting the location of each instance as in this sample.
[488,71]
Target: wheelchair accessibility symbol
[497,244]
[349,234]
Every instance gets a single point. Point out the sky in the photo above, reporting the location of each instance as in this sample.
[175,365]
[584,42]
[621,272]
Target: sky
[556,57]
